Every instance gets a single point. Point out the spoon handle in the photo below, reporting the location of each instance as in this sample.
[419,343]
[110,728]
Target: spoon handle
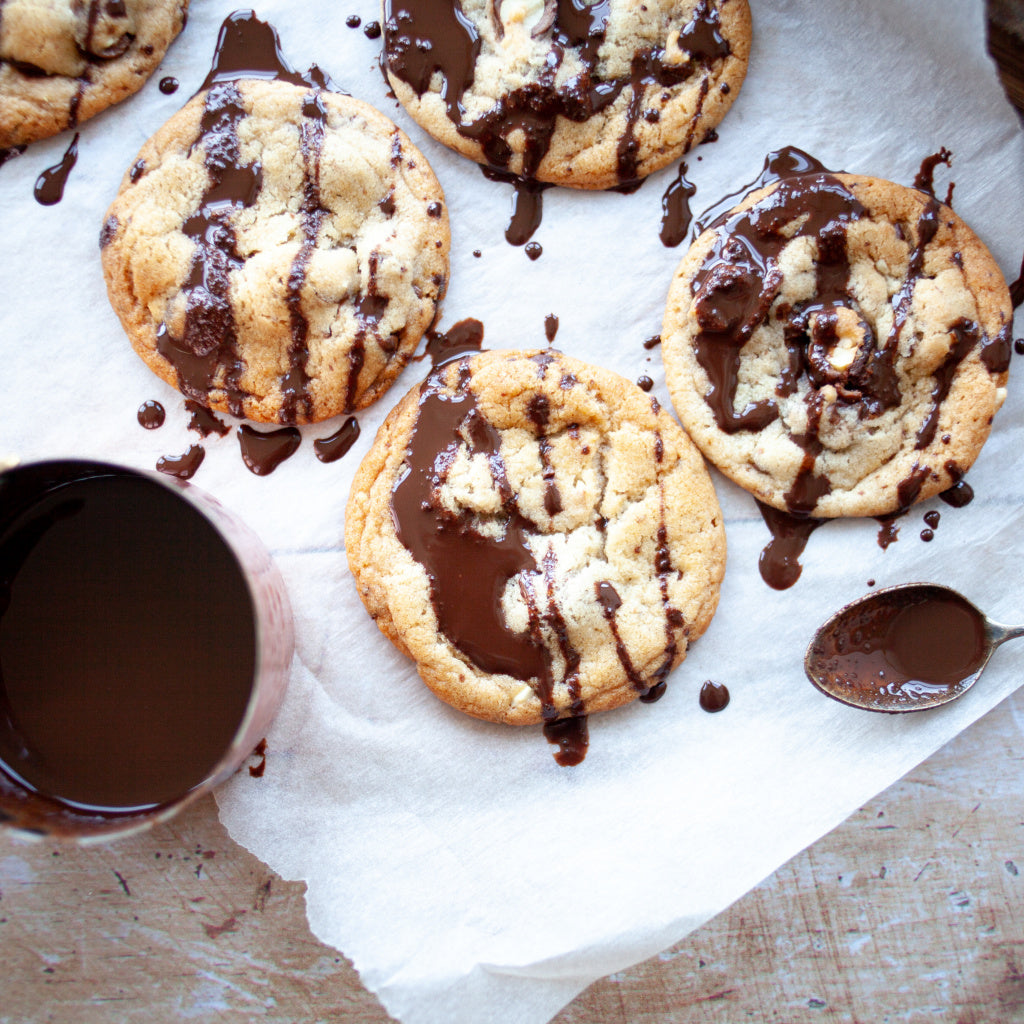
[1001,633]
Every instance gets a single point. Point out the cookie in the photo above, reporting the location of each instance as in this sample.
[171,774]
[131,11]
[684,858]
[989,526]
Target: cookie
[838,344]
[62,61]
[589,96]
[277,250]
[537,535]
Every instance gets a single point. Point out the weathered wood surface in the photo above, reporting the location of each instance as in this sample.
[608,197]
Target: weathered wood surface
[911,911]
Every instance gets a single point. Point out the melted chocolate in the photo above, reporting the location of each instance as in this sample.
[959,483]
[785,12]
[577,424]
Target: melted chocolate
[1017,288]
[925,178]
[468,571]
[426,37]
[675,209]
[550,327]
[264,451]
[151,414]
[142,696]
[713,696]
[182,466]
[779,562]
[910,645]
[735,291]
[888,529]
[572,737]
[206,357]
[333,447]
[372,30]
[653,342]
[644,383]
[465,337]
[203,421]
[49,187]
[960,493]
[169,85]
[534,250]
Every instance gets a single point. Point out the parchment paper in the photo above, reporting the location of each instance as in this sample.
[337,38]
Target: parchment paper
[467,876]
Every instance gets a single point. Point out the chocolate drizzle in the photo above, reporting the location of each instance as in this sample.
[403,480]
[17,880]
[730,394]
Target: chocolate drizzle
[49,187]
[333,447]
[675,209]
[206,355]
[471,563]
[426,37]
[736,290]
[264,451]
[182,466]
[779,563]
[151,414]
[713,696]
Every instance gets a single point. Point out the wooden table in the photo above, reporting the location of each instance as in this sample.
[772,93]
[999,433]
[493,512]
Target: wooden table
[911,911]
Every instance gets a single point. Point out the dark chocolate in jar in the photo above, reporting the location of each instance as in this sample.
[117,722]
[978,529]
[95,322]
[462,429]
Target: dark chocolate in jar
[128,643]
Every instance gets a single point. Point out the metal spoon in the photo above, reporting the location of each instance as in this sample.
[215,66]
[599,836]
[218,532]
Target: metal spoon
[904,648]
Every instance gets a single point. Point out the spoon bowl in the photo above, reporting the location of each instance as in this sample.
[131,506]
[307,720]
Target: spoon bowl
[904,648]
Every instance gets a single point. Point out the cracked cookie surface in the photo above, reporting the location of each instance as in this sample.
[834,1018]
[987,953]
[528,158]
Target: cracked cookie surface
[589,96]
[63,61]
[537,535]
[277,251]
[838,344]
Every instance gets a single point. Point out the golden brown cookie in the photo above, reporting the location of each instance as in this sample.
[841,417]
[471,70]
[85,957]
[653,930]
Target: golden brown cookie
[838,345]
[586,95]
[62,61]
[277,251]
[537,535]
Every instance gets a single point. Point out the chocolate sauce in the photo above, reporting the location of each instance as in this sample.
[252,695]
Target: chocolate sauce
[203,421]
[960,493]
[644,383]
[151,414]
[653,342]
[888,528]
[372,30]
[169,85]
[675,209]
[527,205]
[426,37]
[735,291]
[264,451]
[906,646]
[550,327]
[334,446]
[932,517]
[353,21]
[465,337]
[572,737]
[49,187]
[467,570]
[925,178]
[779,563]
[713,696]
[1017,288]
[206,356]
[534,250]
[927,535]
[123,680]
[182,466]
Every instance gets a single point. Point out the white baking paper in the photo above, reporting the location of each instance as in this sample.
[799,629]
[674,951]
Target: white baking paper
[466,875]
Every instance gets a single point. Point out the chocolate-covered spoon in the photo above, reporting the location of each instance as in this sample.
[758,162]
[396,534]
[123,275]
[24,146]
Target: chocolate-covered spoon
[905,648]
